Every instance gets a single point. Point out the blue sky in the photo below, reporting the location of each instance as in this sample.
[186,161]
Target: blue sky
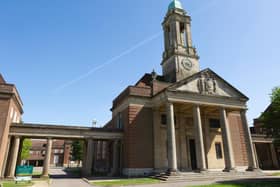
[70,59]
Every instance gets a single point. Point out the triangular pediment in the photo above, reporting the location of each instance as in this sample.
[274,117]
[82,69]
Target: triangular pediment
[207,82]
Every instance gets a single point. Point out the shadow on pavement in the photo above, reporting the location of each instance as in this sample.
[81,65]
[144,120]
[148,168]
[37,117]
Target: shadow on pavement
[254,182]
[72,173]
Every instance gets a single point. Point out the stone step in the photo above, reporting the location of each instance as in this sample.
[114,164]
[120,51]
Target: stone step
[206,176]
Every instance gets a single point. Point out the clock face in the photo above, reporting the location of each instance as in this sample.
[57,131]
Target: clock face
[187,64]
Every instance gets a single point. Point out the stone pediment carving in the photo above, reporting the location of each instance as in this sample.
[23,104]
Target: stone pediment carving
[207,82]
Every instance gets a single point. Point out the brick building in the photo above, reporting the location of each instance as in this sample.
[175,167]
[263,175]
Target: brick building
[268,154]
[185,119]
[10,112]
[60,154]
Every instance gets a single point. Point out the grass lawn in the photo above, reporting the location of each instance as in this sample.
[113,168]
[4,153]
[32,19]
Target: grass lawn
[13,184]
[124,182]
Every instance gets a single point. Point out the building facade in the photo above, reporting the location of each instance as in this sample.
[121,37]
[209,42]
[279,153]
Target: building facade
[10,112]
[186,119]
[60,154]
[268,153]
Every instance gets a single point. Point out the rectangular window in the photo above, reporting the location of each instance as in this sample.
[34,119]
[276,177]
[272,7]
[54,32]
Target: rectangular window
[219,154]
[163,119]
[119,121]
[214,123]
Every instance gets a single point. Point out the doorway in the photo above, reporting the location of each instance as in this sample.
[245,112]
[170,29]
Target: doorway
[193,154]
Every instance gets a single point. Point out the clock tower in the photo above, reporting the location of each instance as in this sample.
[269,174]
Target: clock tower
[180,59]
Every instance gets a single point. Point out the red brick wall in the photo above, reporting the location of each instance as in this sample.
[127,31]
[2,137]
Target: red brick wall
[159,86]
[138,140]
[67,151]
[2,80]
[238,139]
[4,128]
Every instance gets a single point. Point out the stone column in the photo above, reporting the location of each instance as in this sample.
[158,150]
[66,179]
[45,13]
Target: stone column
[178,34]
[14,156]
[171,139]
[89,158]
[47,159]
[274,156]
[5,163]
[115,158]
[200,152]
[20,151]
[227,143]
[166,38]
[84,159]
[252,163]
[256,155]
[188,35]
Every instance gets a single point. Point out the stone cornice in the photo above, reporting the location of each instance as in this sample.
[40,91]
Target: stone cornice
[63,132]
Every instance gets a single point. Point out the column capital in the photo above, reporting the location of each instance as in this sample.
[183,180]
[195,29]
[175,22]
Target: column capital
[243,111]
[169,103]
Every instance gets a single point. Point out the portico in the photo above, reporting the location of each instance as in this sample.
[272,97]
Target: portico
[188,129]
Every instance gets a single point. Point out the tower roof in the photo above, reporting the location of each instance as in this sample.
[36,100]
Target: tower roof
[175,4]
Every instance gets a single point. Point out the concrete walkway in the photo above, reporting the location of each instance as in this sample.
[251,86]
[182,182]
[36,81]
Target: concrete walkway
[69,183]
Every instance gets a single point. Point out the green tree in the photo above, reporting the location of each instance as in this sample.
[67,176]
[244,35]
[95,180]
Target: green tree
[26,146]
[77,151]
[271,117]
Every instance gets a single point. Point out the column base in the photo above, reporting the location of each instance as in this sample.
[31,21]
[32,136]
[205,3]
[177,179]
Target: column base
[45,176]
[230,170]
[202,171]
[10,177]
[172,172]
[251,169]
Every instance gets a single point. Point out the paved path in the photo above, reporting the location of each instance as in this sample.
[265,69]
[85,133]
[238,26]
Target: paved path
[178,184]
[69,183]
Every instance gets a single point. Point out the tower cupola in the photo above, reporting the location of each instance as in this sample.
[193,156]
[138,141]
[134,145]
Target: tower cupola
[180,59]
[175,4]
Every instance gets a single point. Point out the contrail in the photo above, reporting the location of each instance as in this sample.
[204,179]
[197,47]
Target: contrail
[110,61]
[126,52]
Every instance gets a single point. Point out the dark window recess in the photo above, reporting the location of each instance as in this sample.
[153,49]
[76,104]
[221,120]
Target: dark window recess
[119,121]
[163,119]
[214,123]
[219,153]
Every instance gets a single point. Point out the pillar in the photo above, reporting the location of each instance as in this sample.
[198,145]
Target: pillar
[178,33]
[252,161]
[227,143]
[274,156]
[115,158]
[188,35]
[14,156]
[256,155]
[200,152]
[47,159]
[5,163]
[171,139]
[84,159]
[19,152]
[89,158]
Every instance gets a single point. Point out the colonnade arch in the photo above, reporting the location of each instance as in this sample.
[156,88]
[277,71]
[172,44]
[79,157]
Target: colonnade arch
[90,136]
